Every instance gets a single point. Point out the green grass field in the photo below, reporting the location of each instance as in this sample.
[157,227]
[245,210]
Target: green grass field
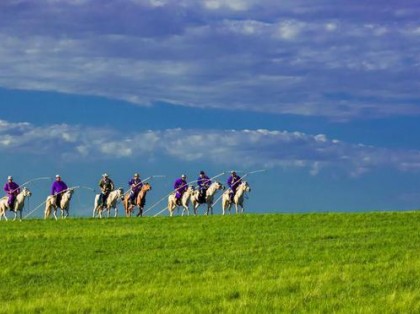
[301,263]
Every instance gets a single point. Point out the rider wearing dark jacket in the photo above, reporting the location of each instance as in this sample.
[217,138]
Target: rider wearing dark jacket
[106,185]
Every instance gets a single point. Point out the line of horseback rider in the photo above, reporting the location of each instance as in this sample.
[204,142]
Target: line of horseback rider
[107,185]
[204,182]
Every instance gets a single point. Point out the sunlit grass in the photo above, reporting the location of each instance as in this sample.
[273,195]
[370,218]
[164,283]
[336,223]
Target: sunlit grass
[359,263]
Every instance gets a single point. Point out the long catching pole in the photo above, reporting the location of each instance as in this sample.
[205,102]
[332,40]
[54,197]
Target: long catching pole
[35,179]
[158,202]
[145,180]
[194,181]
[36,208]
[245,175]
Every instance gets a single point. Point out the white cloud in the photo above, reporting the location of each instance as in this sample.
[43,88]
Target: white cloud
[235,5]
[289,30]
[263,148]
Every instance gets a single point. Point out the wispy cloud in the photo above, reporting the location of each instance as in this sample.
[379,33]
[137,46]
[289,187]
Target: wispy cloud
[267,148]
[301,57]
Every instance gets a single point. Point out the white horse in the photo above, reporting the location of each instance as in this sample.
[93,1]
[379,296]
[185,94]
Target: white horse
[185,202]
[238,198]
[17,207]
[50,204]
[111,202]
[209,198]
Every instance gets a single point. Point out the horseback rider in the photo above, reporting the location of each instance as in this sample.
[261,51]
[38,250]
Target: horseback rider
[180,186]
[136,185]
[203,183]
[57,189]
[12,189]
[106,185]
[233,182]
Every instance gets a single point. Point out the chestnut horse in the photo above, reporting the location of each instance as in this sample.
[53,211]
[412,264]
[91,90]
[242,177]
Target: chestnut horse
[140,201]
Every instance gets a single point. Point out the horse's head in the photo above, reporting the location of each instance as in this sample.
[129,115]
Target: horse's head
[146,187]
[120,193]
[26,192]
[245,186]
[69,193]
[190,190]
[219,186]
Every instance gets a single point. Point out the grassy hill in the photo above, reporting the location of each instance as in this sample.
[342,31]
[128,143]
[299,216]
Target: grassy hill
[358,263]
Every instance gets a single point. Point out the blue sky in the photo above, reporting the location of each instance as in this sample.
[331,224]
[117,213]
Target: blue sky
[324,96]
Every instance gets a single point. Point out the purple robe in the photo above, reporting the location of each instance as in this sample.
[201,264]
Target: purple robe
[180,186]
[136,186]
[233,182]
[203,182]
[58,187]
[12,189]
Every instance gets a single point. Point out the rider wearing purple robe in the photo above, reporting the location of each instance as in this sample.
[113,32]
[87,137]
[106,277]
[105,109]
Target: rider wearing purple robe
[57,189]
[180,186]
[136,185]
[203,183]
[233,182]
[12,189]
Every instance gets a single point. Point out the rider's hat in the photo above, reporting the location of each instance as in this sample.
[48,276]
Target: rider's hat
[183,176]
[9,178]
[105,175]
[233,172]
[202,172]
[136,174]
[57,176]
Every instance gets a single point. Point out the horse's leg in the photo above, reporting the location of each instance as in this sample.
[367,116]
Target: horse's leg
[55,213]
[3,214]
[127,210]
[46,212]
[140,211]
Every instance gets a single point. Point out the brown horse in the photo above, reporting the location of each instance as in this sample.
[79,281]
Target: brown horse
[140,201]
